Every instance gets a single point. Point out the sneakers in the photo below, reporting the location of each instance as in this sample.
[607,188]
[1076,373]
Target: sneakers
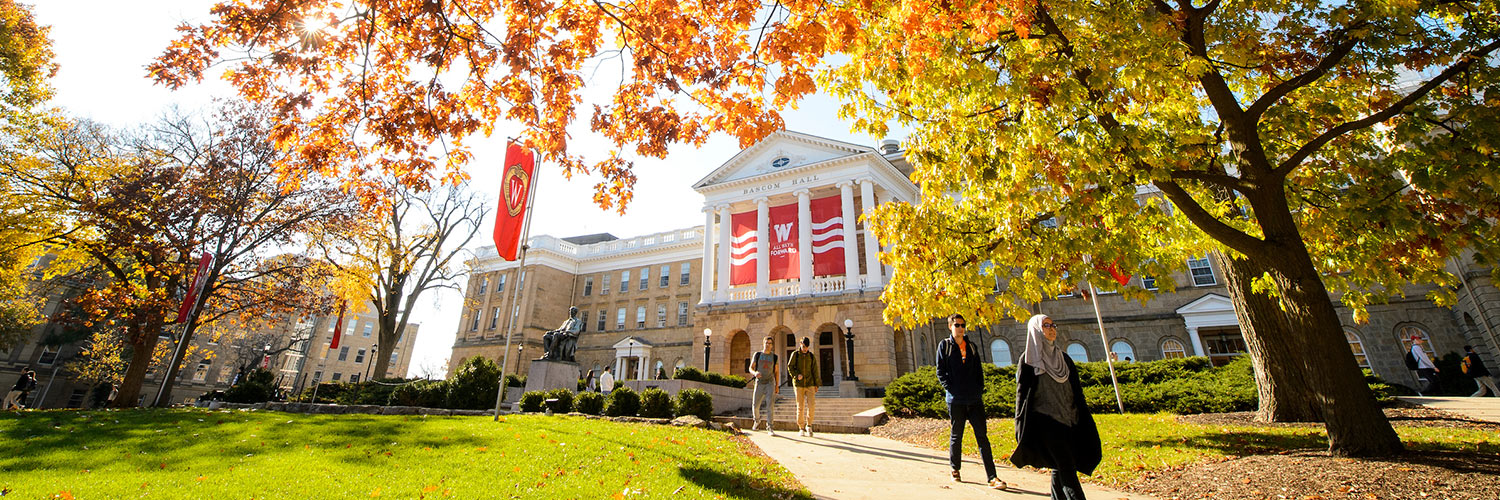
[754,425]
[996,483]
[809,431]
[955,477]
[802,432]
[769,430]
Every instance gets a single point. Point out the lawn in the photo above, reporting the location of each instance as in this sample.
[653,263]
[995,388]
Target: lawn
[239,454]
[1137,445]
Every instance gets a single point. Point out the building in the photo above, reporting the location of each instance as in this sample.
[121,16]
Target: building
[655,302]
[355,356]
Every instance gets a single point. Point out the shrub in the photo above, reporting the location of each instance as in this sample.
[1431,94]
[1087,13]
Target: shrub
[513,380]
[696,375]
[428,394]
[655,403]
[695,402]
[591,403]
[564,399]
[256,388]
[533,401]
[919,394]
[622,402]
[474,385]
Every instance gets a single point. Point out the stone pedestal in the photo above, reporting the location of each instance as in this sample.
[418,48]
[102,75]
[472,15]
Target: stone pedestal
[549,375]
[849,389]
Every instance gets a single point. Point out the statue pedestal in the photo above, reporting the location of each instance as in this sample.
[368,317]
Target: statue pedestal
[549,375]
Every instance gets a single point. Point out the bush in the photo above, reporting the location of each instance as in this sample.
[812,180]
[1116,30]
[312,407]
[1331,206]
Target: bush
[533,402]
[564,399]
[474,385]
[695,402]
[622,402]
[590,403]
[513,380]
[918,394]
[427,394]
[696,375]
[255,388]
[655,403]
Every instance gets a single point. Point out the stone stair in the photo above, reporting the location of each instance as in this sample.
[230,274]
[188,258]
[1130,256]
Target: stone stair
[836,415]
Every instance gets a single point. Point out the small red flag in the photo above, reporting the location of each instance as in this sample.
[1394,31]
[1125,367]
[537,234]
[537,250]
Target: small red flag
[199,279]
[515,191]
[338,328]
[1114,271]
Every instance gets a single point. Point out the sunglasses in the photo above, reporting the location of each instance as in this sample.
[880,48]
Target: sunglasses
[1049,325]
[958,325]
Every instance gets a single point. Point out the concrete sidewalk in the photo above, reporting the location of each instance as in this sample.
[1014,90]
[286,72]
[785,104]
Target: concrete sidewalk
[1481,408]
[857,466]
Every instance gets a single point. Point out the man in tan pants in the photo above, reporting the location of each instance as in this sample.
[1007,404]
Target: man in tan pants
[803,368]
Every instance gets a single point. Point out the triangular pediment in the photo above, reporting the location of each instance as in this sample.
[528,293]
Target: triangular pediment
[781,151]
[1212,303]
[629,342]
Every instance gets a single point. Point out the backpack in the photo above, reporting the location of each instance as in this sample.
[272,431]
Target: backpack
[1464,367]
[1411,361]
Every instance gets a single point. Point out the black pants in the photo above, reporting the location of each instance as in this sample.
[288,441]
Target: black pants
[1065,485]
[973,413]
[1429,380]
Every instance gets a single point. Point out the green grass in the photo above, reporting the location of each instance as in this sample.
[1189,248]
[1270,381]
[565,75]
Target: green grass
[1136,445]
[236,454]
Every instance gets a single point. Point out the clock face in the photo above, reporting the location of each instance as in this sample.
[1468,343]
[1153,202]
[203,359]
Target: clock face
[780,162]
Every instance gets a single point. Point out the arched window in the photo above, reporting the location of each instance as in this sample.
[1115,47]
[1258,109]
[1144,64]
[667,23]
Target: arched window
[1172,349]
[1122,351]
[680,364]
[1407,331]
[1358,347]
[1078,353]
[1000,352]
[660,371]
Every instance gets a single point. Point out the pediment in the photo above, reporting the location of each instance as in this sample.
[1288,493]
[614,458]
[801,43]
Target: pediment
[1212,303]
[629,342]
[782,150]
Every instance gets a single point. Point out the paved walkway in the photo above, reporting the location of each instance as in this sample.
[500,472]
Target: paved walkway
[857,466]
[1483,408]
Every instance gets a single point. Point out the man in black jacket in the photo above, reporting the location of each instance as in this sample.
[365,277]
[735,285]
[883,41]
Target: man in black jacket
[961,372]
[1475,369]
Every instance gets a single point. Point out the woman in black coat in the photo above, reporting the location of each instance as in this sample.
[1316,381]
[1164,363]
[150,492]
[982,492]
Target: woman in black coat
[1054,429]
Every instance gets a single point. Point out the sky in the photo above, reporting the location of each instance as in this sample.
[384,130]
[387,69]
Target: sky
[102,48]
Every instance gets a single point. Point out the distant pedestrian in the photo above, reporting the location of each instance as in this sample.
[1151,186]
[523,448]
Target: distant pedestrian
[961,372]
[590,382]
[607,380]
[661,373]
[1054,428]
[766,371]
[17,394]
[1474,367]
[1426,371]
[803,369]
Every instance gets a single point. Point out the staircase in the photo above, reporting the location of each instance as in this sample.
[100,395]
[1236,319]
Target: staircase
[836,415]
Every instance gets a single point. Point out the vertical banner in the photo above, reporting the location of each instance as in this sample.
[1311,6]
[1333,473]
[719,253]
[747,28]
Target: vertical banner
[199,280]
[827,236]
[785,263]
[515,188]
[742,248]
[338,328]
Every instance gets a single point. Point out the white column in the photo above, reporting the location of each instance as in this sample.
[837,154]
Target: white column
[726,240]
[851,253]
[762,247]
[619,367]
[804,241]
[707,265]
[1197,342]
[643,370]
[872,248]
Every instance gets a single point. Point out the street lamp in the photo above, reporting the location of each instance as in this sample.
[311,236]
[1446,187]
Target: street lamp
[707,334]
[849,348]
[374,349]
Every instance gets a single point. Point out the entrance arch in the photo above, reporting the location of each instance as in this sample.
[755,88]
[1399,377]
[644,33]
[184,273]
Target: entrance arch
[739,353]
[828,343]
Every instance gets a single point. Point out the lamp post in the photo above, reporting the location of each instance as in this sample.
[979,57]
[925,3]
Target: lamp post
[707,334]
[374,348]
[849,348]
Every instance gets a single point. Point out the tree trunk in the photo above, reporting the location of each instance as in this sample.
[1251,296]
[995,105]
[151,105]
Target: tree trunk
[387,340]
[1285,394]
[140,361]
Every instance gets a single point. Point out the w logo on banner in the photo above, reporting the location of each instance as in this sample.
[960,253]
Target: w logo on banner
[827,236]
[784,231]
[515,188]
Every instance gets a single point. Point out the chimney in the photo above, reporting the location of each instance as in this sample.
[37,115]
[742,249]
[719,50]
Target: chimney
[890,146]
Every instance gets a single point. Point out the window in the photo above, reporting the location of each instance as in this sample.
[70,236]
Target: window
[523,280]
[640,317]
[1078,353]
[620,319]
[75,400]
[681,313]
[661,315]
[49,354]
[318,376]
[1122,350]
[484,283]
[366,332]
[1148,282]
[666,275]
[624,281]
[686,267]
[359,357]
[583,321]
[500,285]
[604,290]
[1358,347]
[1407,331]
[201,374]
[343,354]
[602,316]
[645,277]
[395,357]
[226,373]
[354,378]
[474,327]
[1172,349]
[337,376]
[494,318]
[588,286]
[1000,352]
[1202,271]
[681,363]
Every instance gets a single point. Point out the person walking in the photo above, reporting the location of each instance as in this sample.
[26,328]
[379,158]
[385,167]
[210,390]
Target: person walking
[766,372]
[1426,371]
[803,370]
[590,383]
[1054,428]
[18,392]
[607,380]
[961,373]
[1474,367]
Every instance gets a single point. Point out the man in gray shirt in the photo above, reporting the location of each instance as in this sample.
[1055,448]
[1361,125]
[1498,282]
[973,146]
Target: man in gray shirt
[767,374]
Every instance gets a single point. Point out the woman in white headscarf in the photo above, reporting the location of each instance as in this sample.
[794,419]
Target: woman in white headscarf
[1054,429]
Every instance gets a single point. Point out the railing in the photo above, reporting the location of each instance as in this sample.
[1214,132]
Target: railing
[788,289]
[742,294]
[828,284]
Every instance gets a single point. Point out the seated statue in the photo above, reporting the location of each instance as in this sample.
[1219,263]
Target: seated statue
[560,344]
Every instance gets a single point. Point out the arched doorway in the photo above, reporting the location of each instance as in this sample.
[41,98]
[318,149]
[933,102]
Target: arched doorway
[828,343]
[903,354]
[783,341]
[739,353]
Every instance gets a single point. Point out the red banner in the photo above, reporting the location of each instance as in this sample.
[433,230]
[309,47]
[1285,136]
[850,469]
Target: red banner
[742,248]
[515,192]
[784,258]
[827,236]
[199,280]
[338,328]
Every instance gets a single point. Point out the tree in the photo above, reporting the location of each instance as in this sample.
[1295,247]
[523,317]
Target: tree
[404,248]
[25,67]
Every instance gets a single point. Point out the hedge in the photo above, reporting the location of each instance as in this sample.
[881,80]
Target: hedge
[564,399]
[695,402]
[655,403]
[622,402]
[590,403]
[532,402]
[474,385]
[696,375]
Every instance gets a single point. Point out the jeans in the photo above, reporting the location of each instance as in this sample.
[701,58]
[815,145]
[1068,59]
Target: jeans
[1065,485]
[973,413]
[1429,379]
[765,393]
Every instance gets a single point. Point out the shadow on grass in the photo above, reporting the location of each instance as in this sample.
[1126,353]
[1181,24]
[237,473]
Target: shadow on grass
[738,485]
[1241,442]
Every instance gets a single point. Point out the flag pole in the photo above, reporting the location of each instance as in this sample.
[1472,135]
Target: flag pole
[510,326]
[1104,339]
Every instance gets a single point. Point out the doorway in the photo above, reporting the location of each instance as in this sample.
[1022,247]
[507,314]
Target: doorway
[825,358]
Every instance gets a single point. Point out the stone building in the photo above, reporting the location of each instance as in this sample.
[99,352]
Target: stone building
[663,300]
